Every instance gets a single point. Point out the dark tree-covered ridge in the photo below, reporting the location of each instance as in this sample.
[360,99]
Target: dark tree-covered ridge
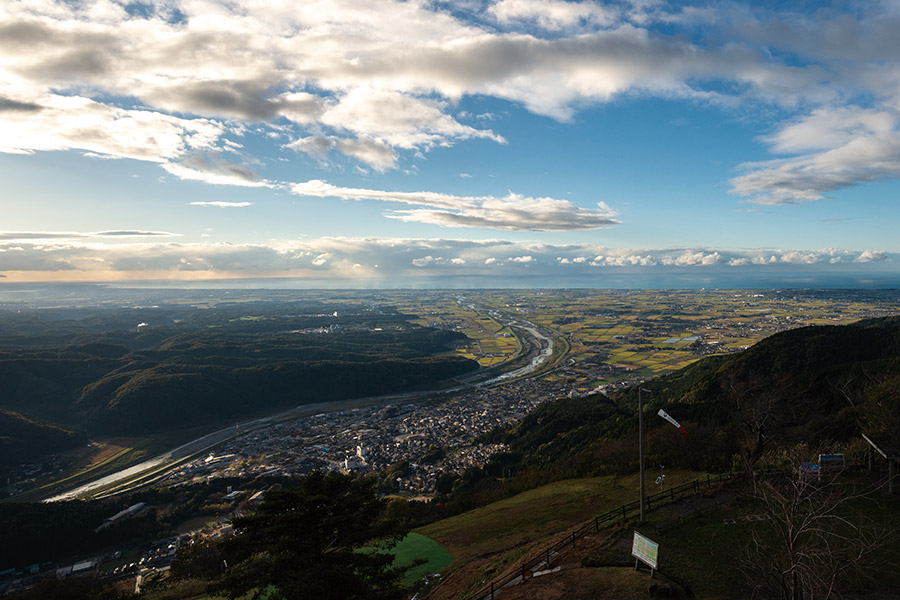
[312,542]
[118,371]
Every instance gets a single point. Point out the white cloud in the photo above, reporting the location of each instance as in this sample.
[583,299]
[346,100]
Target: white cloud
[378,155]
[693,258]
[553,14]
[389,72]
[846,147]
[222,204]
[513,212]
[58,236]
[31,256]
[801,258]
[78,123]
[871,256]
[380,82]
[322,259]
[214,172]
[426,260]
[399,119]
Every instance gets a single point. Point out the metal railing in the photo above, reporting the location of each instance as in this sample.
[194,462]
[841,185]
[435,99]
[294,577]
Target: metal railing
[542,561]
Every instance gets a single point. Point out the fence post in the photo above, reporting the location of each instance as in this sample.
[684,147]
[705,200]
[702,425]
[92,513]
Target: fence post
[573,539]
[672,490]
[523,571]
[623,512]
[492,590]
[596,523]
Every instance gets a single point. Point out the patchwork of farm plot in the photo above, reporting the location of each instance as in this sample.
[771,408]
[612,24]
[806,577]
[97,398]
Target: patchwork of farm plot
[491,342]
[622,334]
[617,333]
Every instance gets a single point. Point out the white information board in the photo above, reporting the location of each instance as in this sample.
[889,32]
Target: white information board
[645,550]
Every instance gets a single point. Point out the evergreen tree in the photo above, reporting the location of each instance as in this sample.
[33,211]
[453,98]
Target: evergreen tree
[327,539]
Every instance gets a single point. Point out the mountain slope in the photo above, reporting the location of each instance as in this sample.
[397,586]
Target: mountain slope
[23,439]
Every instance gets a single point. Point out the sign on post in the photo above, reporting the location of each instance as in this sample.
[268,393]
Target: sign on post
[645,550]
[831,462]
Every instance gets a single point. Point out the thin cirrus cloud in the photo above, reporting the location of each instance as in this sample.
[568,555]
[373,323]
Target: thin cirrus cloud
[45,236]
[512,212]
[222,204]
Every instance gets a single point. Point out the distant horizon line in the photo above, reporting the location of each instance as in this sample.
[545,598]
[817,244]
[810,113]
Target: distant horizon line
[629,281]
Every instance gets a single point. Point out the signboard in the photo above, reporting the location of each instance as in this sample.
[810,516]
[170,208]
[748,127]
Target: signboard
[645,550]
[831,462]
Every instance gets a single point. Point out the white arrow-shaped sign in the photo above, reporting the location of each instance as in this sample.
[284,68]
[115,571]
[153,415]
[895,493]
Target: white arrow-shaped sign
[666,416]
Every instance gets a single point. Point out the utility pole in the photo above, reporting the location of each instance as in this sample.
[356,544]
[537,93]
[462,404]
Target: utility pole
[641,449]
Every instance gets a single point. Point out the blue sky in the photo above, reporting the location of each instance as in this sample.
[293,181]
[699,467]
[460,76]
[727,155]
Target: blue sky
[481,142]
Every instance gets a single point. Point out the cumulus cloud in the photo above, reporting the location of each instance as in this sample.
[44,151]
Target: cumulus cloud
[871,256]
[801,258]
[34,256]
[78,123]
[398,119]
[321,259]
[375,154]
[387,73]
[379,82]
[512,212]
[693,258]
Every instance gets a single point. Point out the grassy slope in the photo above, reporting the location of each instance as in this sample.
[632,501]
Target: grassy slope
[703,551]
[538,513]
[416,546]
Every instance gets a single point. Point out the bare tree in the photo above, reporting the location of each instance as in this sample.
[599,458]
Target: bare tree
[812,536]
[758,412]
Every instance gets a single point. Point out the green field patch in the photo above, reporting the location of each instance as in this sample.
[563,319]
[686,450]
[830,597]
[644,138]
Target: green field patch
[415,547]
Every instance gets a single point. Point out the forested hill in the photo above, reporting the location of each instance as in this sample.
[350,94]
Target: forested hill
[828,381]
[137,371]
[22,439]
[821,386]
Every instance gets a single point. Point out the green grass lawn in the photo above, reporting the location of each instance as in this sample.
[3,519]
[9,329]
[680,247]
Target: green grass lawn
[416,546]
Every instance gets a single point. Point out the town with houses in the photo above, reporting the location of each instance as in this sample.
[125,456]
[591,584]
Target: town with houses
[432,439]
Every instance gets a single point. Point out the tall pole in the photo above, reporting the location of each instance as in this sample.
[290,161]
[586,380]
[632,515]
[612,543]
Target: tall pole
[641,449]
